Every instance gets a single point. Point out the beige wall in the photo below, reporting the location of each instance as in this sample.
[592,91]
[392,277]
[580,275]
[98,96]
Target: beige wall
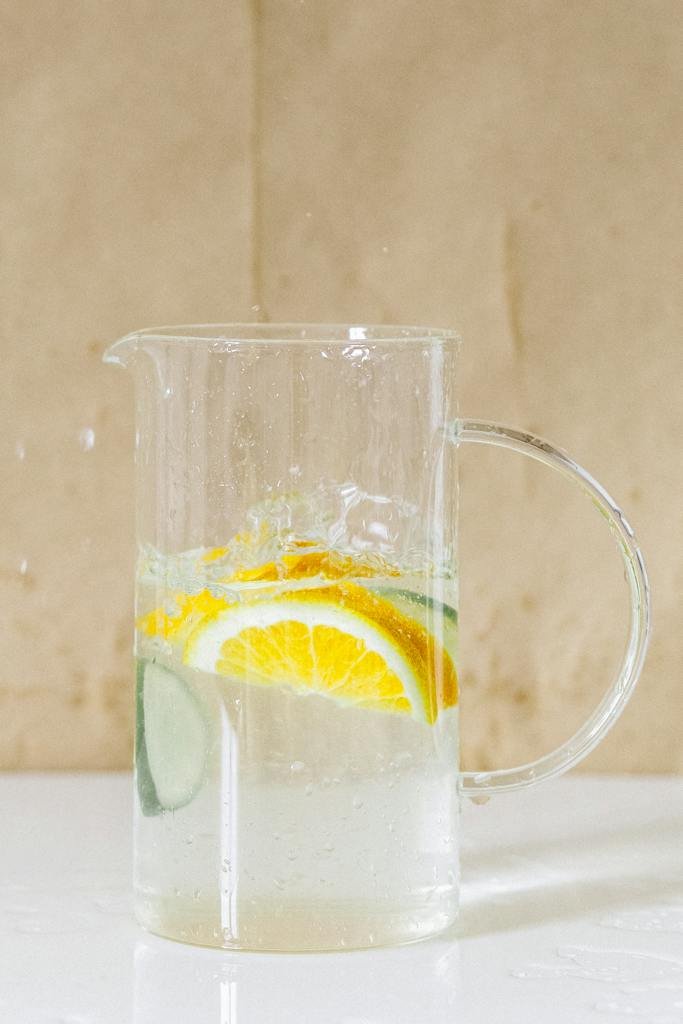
[510,168]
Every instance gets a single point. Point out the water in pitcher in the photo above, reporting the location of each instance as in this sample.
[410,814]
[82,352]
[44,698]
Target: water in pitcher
[296,747]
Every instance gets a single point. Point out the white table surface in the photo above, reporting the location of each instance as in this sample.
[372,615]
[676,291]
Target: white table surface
[572,912]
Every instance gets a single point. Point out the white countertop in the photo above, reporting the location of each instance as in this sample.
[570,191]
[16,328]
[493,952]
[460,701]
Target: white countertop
[572,912]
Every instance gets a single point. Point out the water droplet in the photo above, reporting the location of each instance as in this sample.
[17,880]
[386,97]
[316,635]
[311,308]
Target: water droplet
[654,1004]
[20,450]
[357,802]
[385,249]
[357,354]
[59,924]
[280,883]
[23,567]
[309,789]
[655,919]
[297,766]
[196,895]
[189,839]
[608,965]
[67,1018]
[292,854]
[308,212]
[256,308]
[86,439]
[113,903]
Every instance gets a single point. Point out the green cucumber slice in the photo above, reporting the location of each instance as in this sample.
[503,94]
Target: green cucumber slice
[171,740]
[429,611]
[147,794]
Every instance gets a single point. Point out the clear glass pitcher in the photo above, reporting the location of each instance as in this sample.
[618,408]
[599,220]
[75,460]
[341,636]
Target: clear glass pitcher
[296,752]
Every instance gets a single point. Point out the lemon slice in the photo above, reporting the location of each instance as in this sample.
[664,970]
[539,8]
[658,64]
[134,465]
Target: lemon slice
[342,641]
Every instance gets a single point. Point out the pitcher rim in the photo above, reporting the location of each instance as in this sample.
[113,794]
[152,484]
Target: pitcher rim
[285,333]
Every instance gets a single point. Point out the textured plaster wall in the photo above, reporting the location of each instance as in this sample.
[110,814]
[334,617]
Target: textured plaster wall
[511,169]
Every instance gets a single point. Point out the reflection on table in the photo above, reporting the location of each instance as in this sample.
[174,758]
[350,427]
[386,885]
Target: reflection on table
[178,984]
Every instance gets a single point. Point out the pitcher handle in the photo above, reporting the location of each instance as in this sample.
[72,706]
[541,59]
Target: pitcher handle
[475,784]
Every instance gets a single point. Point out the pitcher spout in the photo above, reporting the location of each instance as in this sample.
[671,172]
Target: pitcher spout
[123,351]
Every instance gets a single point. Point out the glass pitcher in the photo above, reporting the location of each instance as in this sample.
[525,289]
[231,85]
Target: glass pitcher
[296,749]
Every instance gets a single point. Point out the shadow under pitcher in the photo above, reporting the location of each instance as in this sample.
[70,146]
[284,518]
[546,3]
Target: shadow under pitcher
[296,751]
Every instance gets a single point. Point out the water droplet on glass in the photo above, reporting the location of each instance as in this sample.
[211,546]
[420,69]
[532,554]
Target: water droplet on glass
[256,308]
[309,789]
[297,766]
[86,439]
[357,354]
[20,451]
[23,567]
[357,802]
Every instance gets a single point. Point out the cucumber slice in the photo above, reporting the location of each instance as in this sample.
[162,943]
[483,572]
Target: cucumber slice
[411,597]
[147,793]
[429,610]
[171,740]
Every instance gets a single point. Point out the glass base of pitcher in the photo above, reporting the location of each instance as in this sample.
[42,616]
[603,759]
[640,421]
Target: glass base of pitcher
[295,928]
